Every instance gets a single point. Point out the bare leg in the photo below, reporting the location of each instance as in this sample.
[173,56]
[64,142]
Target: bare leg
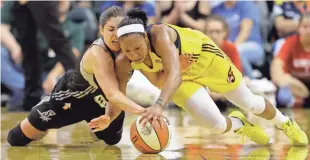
[30,131]
[269,112]
[246,100]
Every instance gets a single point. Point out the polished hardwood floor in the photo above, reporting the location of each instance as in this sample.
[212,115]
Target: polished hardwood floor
[188,141]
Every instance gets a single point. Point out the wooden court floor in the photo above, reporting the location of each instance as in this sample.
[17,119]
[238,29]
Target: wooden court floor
[189,141]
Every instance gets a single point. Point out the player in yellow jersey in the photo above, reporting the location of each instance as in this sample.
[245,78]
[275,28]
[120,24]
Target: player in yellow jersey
[183,62]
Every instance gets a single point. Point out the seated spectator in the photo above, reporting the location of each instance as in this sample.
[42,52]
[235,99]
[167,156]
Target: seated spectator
[189,14]
[217,29]
[149,8]
[82,14]
[285,17]
[290,68]
[11,58]
[11,54]
[243,19]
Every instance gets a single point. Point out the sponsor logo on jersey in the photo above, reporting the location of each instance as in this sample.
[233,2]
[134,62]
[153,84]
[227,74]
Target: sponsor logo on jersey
[46,116]
[67,106]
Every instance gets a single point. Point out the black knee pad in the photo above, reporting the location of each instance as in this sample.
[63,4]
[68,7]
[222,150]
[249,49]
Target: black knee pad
[112,140]
[16,137]
[108,138]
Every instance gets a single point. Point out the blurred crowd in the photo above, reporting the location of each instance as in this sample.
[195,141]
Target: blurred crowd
[267,41]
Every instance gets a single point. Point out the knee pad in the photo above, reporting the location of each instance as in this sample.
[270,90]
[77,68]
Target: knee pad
[255,104]
[112,141]
[220,126]
[16,137]
[108,138]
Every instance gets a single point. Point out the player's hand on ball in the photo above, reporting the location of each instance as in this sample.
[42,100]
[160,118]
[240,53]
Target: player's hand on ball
[153,114]
[99,123]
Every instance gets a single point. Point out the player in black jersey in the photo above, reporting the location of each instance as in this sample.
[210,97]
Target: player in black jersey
[84,94]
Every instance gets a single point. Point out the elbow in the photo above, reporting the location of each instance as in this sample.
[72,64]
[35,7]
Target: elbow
[112,97]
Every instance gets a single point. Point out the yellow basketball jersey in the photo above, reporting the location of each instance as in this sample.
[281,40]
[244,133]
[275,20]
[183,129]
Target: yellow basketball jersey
[189,43]
[203,64]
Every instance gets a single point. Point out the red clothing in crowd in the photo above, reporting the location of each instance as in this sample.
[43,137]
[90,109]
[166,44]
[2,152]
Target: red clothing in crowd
[296,59]
[232,52]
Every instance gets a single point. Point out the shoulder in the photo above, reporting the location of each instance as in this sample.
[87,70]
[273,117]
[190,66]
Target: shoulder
[292,38]
[71,25]
[229,44]
[73,28]
[155,28]
[229,48]
[121,58]
[99,52]
[122,61]
[6,12]
[158,30]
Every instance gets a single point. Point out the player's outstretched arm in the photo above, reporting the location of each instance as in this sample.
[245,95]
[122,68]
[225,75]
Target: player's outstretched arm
[170,59]
[105,74]
[171,63]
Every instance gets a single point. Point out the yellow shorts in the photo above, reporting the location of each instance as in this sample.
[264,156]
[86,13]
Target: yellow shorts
[213,71]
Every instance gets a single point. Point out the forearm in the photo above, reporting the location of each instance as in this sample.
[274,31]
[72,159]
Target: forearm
[246,26]
[192,23]
[243,36]
[172,18]
[112,112]
[169,89]
[57,71]
[286,26]
[124,103]
[299,89]
[278,76]
[7,38]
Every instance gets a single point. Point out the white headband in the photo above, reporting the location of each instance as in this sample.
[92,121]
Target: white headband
[130,29]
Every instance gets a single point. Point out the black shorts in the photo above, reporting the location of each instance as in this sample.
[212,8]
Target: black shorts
[73,100]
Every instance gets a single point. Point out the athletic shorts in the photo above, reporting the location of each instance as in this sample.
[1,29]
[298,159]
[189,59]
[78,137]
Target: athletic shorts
[73,100]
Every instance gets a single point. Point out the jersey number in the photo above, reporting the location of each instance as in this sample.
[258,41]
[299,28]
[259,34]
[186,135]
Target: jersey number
[101,101]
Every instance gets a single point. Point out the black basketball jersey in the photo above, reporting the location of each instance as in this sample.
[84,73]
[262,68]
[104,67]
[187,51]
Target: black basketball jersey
[79,84]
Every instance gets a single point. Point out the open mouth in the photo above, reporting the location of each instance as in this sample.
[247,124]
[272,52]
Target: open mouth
[115,42]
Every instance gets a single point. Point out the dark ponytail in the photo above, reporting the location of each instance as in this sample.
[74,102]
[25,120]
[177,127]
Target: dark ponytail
[134,16]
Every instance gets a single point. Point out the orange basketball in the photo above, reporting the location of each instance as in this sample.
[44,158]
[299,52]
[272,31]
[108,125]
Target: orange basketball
[151,138]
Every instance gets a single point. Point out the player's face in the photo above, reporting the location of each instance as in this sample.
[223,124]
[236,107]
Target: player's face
[108,31]
[135,47]
[304,28]
[215,30]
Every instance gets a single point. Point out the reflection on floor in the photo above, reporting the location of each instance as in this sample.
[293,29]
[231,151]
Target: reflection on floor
[189,141]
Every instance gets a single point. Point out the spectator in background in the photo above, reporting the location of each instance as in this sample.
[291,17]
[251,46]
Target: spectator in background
[75,33]
[28,17]
[189,14]
[286,18]
[14,78]
[243,19]
[11,58]
[217,29]
[82,14]
[290,69]
[149,8]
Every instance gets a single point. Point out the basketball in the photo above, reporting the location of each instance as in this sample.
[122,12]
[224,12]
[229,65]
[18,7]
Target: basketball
[151,138]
